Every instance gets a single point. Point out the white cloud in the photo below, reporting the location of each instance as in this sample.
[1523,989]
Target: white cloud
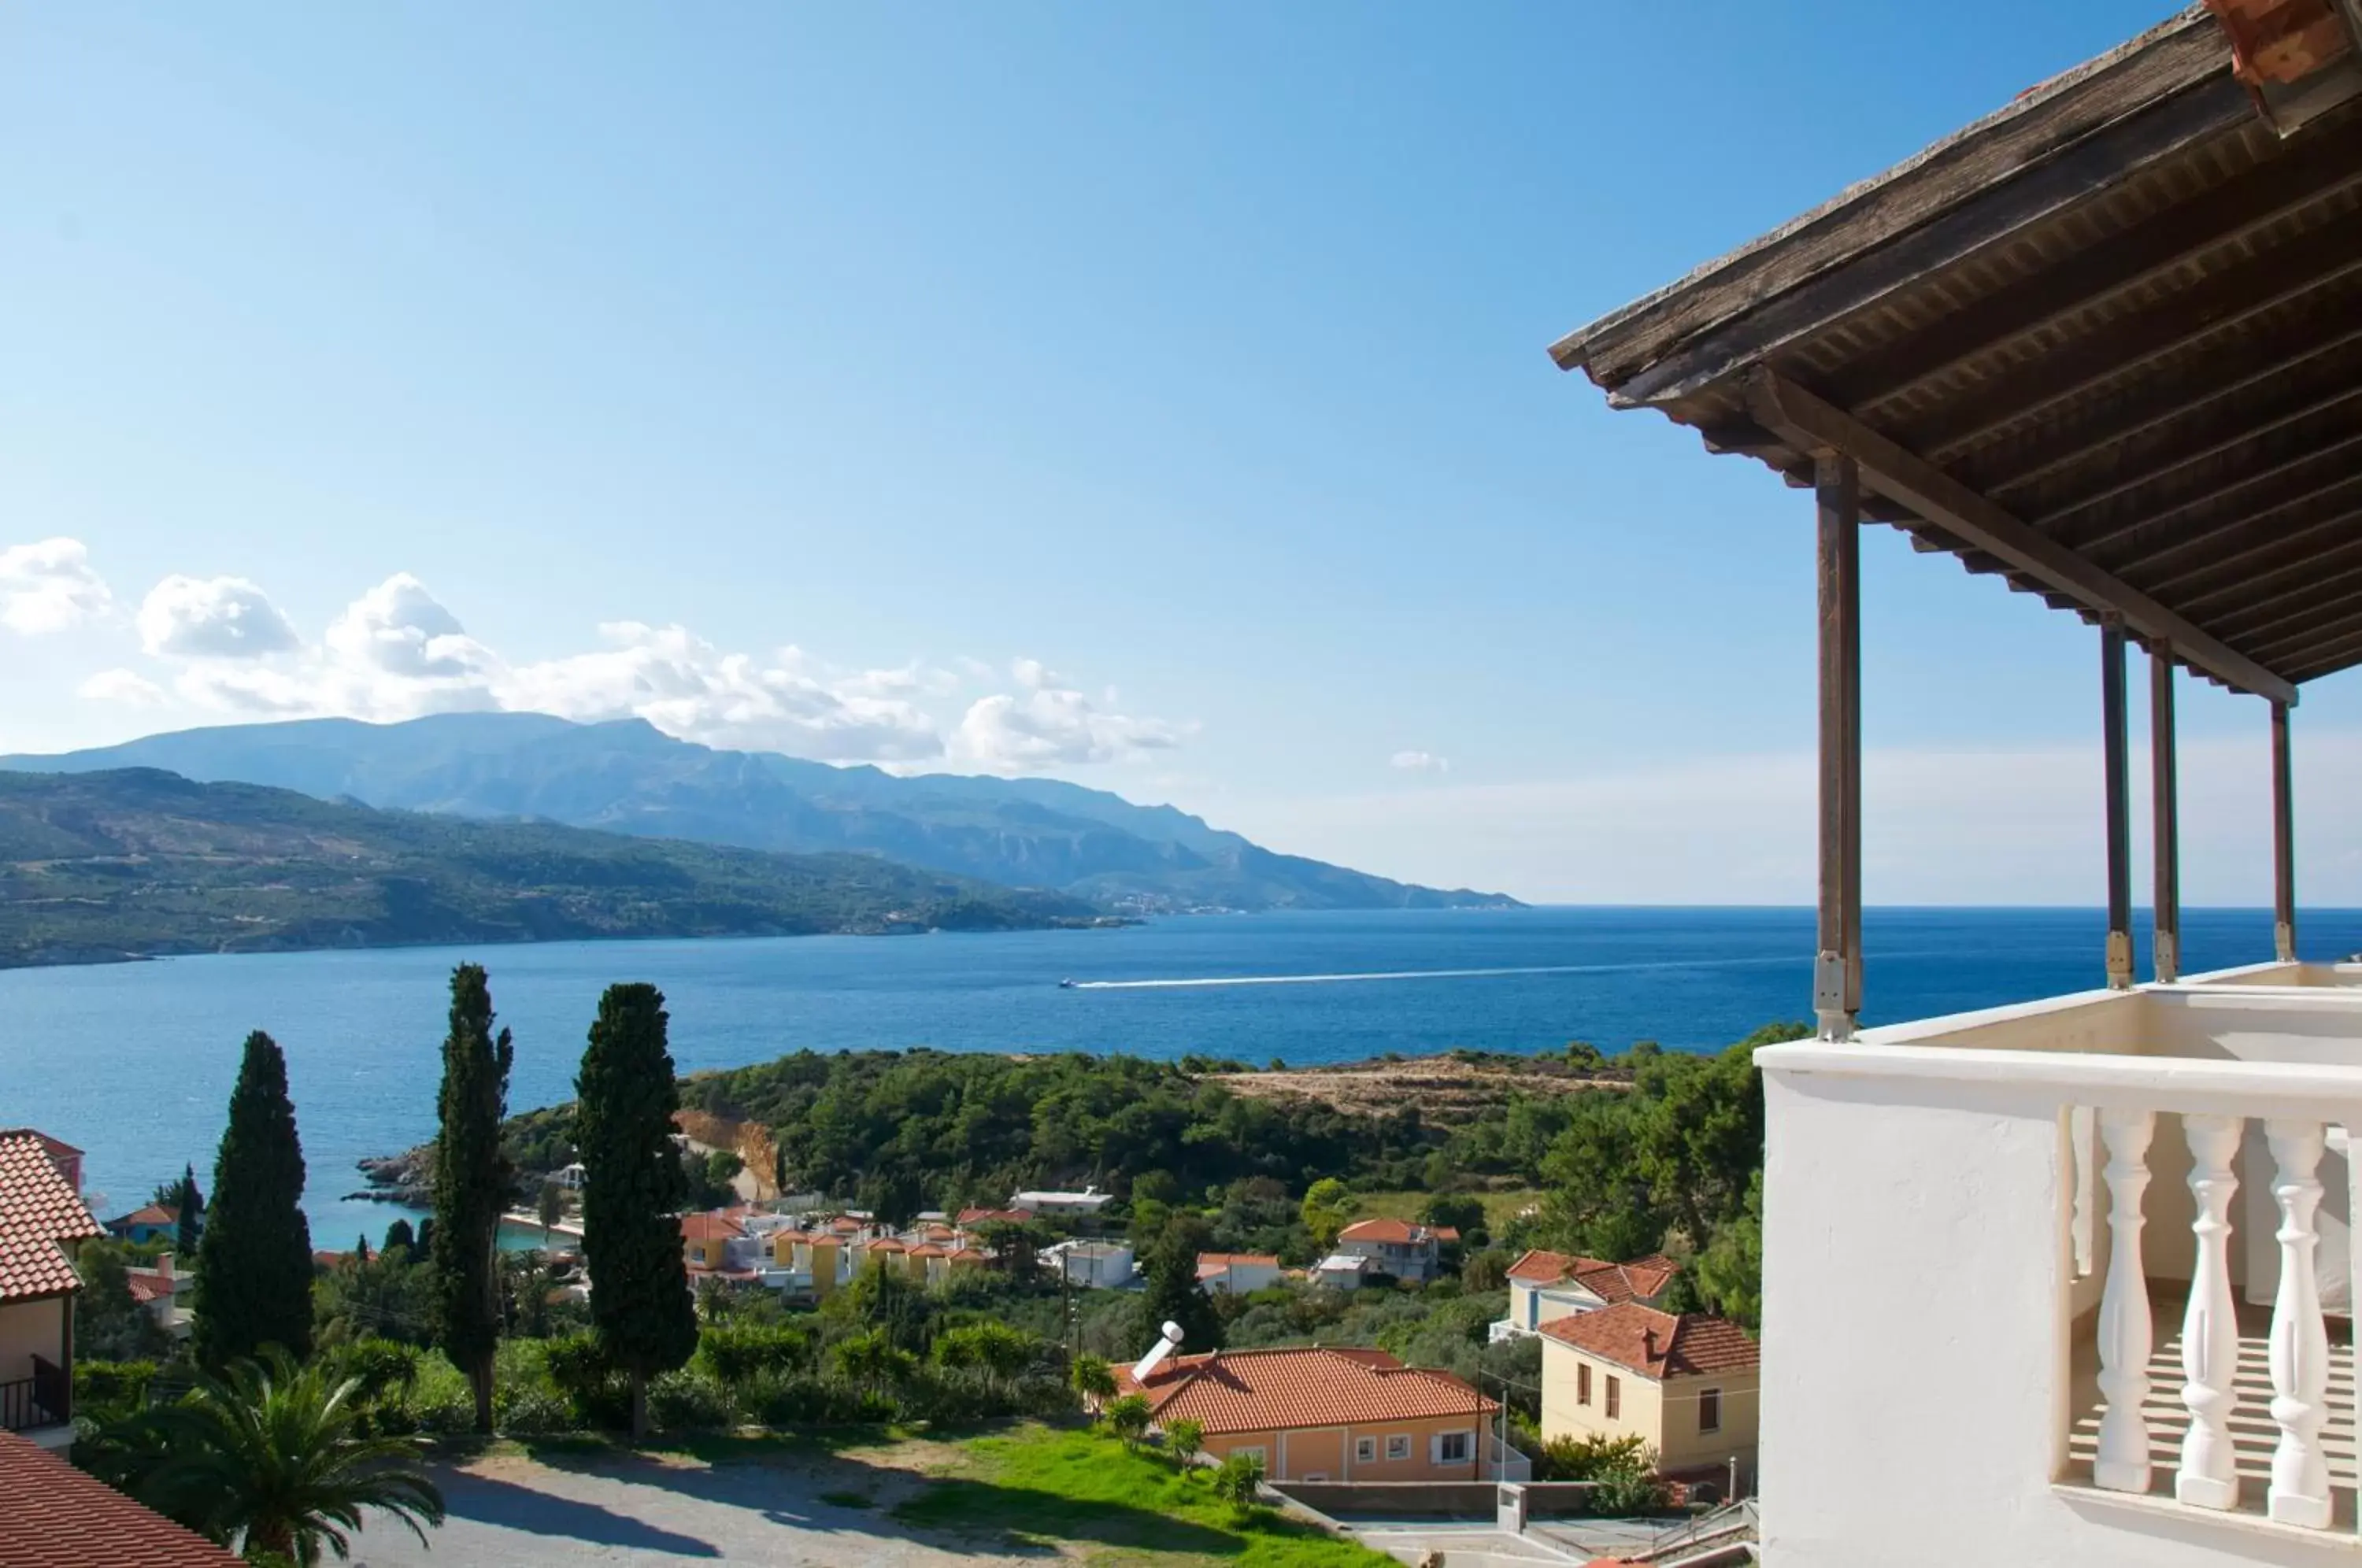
[49,587]
[397,652]
[213,618]
[1419,762]
[1051,726]
[125,686]
[686,686]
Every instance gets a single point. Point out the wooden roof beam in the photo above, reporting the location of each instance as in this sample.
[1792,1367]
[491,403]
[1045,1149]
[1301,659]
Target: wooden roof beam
[1815,424]
[2197,553]
[2090,166]
[2215,448]
[2329,658]
[2266,616]
[2306,632]
[2283,274]
[2137,418]
[2255,551]
[2320,169]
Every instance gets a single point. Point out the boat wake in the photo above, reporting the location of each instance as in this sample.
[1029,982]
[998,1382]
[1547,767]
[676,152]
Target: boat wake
[1431,974]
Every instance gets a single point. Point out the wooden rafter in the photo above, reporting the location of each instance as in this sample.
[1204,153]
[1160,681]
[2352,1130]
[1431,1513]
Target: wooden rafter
[1812,423]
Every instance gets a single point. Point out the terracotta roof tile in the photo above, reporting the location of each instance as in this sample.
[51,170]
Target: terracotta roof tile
[1221,1261]
[53,1516]
[995,1216]
[39,1212]
[1266,1390]
[1658,1344]
[1612,1283]
[709,1228]
[153,1214]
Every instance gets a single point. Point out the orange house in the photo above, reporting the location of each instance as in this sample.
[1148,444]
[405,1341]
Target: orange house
[1327,1414]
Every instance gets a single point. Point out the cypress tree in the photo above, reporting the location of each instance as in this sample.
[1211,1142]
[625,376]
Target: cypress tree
[399,1237]
[1171,1293]
[190,1228]
[471,1183]
[254,1262]
[632,1189]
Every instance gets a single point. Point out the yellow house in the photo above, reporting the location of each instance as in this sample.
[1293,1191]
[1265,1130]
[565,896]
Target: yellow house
[1327,1414]
[1685,1385]
[705,1240]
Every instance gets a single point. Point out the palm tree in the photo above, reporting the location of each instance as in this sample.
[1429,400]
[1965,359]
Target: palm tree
[268,1458]
[1184,1437]
[1128,1418]
[1093,1378]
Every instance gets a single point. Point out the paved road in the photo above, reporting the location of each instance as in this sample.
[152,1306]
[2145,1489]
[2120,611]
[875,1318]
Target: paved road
[521,1513]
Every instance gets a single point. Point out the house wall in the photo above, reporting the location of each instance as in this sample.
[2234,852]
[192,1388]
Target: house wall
[1905,1421]
[28,1328]
[1664,1415]
[1328,1451]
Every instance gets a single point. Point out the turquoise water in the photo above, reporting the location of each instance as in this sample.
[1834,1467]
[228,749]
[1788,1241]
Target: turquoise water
[133,1062]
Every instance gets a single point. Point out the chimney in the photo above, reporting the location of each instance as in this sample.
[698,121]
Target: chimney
[1649,1344]
[164,1266]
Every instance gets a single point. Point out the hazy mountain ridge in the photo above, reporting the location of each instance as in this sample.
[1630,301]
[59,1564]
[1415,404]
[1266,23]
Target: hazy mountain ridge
[628,776]
[138,862]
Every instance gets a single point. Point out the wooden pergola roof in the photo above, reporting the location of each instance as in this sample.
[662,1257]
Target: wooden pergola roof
[2105,343]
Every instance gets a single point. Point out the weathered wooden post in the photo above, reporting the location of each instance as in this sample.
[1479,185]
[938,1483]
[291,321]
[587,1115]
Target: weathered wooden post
[2165,813]
[2283,839]
[2120,833]
[1836,968]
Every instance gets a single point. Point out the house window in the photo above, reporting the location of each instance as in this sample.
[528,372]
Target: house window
[1583,1383]
[1614,1397]
[1365,1450]
[1709,1410]
[1451,1448]
[1398,1445]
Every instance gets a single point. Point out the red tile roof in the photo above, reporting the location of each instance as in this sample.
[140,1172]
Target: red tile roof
[929,1250]
[153,1214]
[1216,1262]
[1400,1231]
[709,1228]
[1269,1390]
[995,1216]
[53,1516]
[1658,1344]
[1613,1282]
[39,1212]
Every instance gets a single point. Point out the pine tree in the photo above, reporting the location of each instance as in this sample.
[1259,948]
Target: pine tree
[632,1190]
[472,1183]
[1173,1294]
[254,1262]
[189,1228]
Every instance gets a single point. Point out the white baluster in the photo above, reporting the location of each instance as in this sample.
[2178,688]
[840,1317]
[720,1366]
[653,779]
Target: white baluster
[2123,1462]
[2079,1138]
[2209,1330]
[2300,1343]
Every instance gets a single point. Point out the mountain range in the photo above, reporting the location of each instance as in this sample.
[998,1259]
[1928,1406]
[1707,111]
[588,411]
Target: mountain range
[627,776]
[137,862]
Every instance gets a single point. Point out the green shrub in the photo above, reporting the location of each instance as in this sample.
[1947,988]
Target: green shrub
[112,1390]
[686,1401]
[735,1352]
[579,1370]
[537,1410]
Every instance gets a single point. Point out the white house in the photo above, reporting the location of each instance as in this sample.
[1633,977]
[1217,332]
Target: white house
[2051,1284]
[1546,1285]
[1235,1274]
[1106,1265]
[1343,1271]
[1063,1205]
[1398,1247]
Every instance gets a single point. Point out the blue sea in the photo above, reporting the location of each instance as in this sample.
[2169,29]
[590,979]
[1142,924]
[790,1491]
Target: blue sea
[133,1062]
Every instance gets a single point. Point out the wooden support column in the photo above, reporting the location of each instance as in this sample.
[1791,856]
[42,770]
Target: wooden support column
[2165,813]
[2120,827]
[2283,839]
[1836,968]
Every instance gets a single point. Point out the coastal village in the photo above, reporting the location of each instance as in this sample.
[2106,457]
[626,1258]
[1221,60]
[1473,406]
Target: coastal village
[2065,1281]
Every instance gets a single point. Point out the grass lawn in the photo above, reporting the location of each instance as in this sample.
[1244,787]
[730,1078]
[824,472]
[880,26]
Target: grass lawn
[1500,1208]
[1050,1486]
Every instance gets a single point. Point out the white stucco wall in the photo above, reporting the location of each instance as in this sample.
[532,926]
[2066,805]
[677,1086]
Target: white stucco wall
[1918,1289]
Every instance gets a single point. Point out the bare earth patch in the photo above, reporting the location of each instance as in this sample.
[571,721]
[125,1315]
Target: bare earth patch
[1446,1090]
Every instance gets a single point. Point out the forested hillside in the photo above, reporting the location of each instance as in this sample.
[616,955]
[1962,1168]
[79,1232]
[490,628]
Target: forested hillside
[106,865]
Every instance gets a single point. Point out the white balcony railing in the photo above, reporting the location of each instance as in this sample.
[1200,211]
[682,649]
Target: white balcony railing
[2088,1260]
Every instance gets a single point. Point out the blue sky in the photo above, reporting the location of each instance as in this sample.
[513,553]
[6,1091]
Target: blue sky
[1153,396]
